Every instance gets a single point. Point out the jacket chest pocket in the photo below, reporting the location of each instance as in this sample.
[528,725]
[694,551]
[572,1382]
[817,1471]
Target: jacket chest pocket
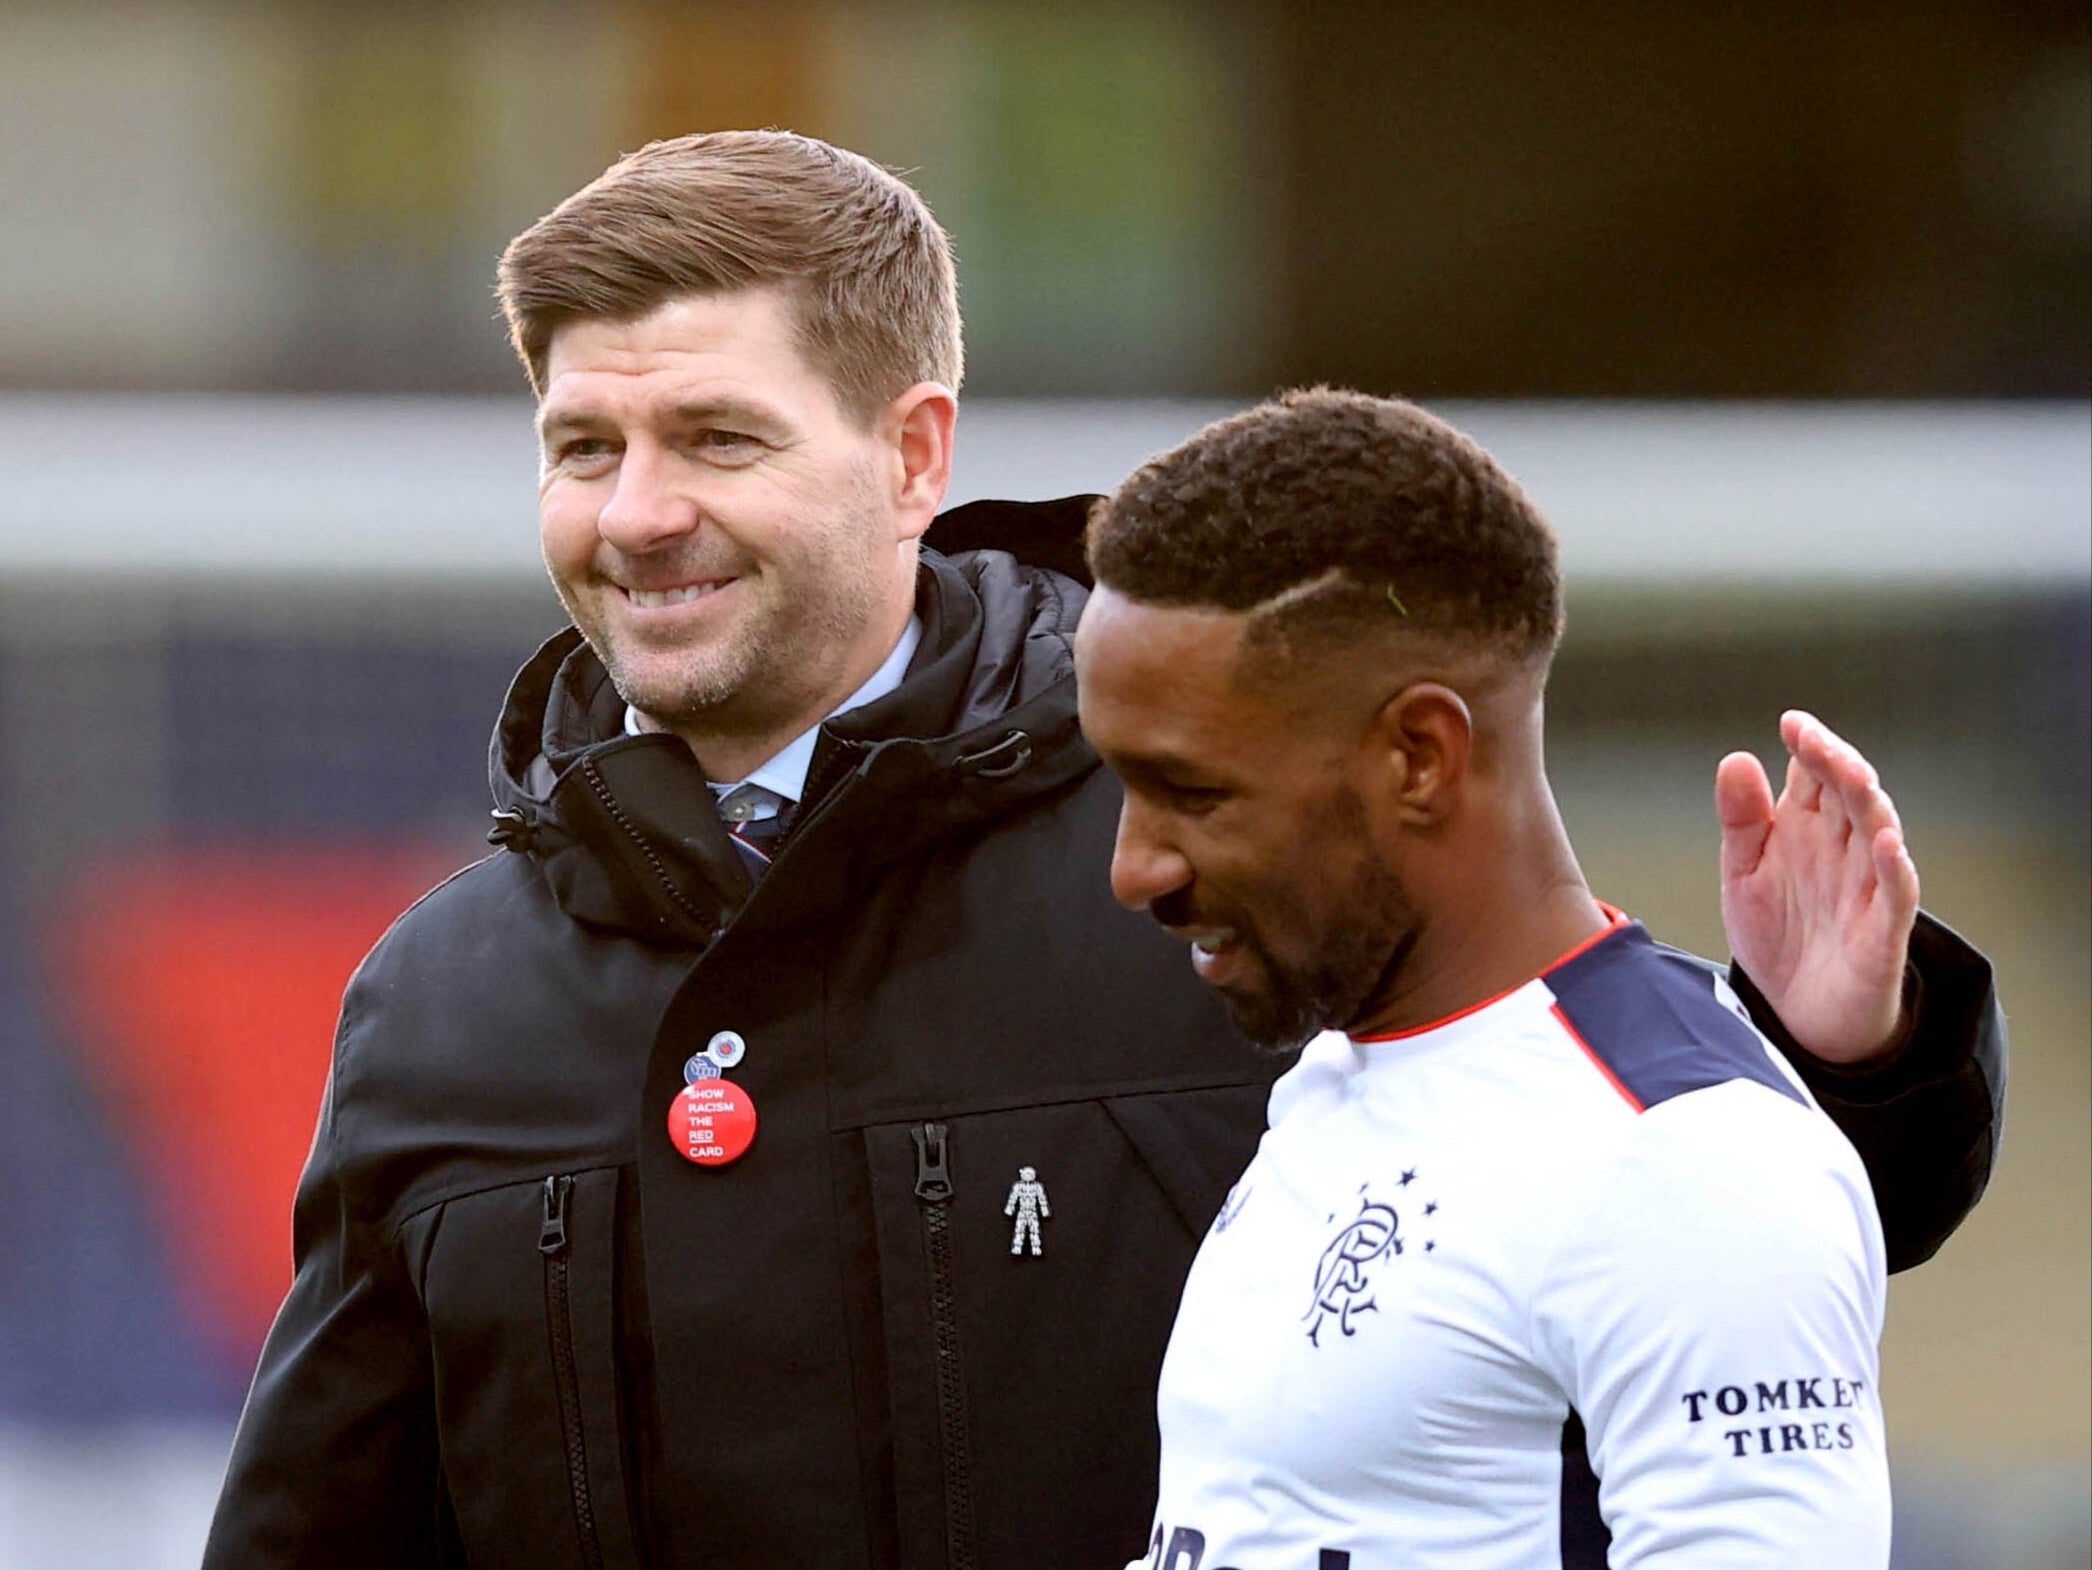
[519,1287]
[1030,1265]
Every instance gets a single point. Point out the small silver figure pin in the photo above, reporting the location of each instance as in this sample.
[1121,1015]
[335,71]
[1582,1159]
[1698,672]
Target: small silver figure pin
[1027,1202]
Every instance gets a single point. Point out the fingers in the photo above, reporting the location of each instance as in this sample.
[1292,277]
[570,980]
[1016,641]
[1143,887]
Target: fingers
[1743,803]
[1895,878]
[1805,779]
[1821,750]
[1845,775]
[1804,786]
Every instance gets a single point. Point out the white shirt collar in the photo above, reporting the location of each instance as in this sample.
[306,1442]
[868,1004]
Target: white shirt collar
[786,773]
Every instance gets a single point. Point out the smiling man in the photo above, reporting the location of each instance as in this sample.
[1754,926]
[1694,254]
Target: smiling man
[785,1152]
[1546,1259]
[738,635]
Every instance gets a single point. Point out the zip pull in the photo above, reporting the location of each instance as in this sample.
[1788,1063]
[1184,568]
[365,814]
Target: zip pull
[511,830]
[552,1231]
[933,1178]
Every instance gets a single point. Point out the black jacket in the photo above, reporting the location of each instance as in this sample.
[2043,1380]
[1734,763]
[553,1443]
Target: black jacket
[524,1331]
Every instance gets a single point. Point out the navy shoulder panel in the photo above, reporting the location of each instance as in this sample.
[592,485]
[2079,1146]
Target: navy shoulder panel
[1650,1016]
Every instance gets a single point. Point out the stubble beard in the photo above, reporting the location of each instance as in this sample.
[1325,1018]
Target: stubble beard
[685,687]
[1353,959]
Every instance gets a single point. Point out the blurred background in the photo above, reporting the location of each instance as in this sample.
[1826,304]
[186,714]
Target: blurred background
[1782,312]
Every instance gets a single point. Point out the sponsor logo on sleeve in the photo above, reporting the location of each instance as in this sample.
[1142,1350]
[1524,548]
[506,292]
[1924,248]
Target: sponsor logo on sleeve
[1782,1416]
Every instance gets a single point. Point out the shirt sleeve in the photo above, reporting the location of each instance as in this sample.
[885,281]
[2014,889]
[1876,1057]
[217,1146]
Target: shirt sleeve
[1713,1315]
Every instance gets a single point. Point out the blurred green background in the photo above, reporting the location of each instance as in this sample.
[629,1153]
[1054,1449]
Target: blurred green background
[1782,311]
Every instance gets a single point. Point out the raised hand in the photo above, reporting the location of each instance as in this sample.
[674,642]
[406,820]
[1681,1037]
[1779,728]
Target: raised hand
[1818,891]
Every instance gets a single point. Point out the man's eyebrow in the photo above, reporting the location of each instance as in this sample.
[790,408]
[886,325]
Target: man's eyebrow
[563,419]
[707,411]
[1165,767]
[696,411]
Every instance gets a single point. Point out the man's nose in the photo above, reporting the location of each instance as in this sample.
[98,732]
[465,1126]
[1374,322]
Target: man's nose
[647,508]
[1145,866]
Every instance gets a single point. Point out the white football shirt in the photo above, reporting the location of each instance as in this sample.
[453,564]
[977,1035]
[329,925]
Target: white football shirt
[1579,1277]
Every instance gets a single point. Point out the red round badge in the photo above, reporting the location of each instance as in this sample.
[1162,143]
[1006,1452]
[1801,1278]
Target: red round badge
[712,1122]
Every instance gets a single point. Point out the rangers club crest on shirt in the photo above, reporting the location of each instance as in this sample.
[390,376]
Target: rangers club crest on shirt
[1344,1274]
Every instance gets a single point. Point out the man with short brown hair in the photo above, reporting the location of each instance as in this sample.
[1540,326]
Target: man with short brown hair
[869,271]
[658,1210]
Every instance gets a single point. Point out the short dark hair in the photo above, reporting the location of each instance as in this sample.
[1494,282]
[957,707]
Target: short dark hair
[1324,510]
[868,270]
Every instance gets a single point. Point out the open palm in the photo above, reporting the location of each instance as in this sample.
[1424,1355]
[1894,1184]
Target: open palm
[1818,890]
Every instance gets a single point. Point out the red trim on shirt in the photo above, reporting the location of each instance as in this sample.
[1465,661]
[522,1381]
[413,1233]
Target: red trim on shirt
[1597,1062]
[1615,918]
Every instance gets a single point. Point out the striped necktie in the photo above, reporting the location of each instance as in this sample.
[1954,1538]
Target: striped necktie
[755,819]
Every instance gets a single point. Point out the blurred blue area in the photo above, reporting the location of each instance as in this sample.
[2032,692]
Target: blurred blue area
[267,739]
[88,1314]
[337,736]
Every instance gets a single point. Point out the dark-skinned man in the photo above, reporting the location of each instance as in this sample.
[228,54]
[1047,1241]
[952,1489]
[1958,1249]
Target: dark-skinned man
[1546,1258]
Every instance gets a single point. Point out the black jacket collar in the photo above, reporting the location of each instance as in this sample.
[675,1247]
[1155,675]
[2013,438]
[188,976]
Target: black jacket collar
[984,723]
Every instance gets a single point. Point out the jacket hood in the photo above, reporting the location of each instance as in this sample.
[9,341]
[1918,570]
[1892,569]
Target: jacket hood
[624,827]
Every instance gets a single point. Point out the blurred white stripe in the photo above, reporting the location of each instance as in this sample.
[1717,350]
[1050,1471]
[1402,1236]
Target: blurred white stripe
[120,1497]
[1937,494]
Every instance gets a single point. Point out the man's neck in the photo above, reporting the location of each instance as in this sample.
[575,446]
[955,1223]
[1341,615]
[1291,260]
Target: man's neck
[1472,961]
[1483,936]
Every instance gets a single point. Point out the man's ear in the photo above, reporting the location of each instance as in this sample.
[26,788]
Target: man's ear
[1425,737]
[916,429]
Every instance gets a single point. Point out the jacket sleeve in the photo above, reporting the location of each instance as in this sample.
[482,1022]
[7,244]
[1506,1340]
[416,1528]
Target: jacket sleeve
[335,1462]
[1926,1122]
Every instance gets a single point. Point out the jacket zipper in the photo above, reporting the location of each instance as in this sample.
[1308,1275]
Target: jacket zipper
[933,1187]
[623,820]
[559,1309]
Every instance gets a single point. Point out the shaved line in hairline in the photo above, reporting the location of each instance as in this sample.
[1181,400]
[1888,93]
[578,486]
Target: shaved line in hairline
[1270,652]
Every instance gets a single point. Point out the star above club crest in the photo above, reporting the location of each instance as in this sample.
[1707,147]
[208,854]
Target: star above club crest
[1409,1177]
